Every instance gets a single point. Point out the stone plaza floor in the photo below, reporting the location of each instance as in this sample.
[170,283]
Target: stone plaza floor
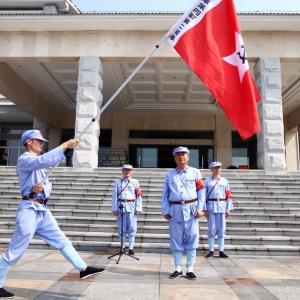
[46,275]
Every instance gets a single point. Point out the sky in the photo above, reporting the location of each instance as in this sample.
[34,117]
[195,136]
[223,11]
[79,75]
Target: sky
[182,5]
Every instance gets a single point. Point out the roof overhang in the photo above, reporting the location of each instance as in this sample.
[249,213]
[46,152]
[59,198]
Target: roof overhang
[25,6]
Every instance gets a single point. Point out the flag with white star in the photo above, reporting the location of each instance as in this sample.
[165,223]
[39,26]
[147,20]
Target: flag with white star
[209,39]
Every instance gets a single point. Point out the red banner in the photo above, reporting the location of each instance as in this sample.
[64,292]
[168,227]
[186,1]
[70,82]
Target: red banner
[208,38]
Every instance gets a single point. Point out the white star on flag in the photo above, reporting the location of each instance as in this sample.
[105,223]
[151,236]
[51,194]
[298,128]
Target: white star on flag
[238,58]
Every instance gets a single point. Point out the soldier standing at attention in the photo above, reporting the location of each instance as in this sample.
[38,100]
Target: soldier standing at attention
[218,205]
[33,215]
[127,191]
[183,201]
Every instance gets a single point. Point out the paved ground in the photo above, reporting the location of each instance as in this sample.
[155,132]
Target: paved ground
[46,275]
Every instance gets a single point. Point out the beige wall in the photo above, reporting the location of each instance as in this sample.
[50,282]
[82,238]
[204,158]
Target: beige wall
[112,45]
[291,147]
[25,97]
[119,131]
[122,123]
[16,89]
[293,119]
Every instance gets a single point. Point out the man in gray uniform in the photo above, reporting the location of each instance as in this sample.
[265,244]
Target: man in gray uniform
[127,192]
[218,207]
[33,215]
[183,201]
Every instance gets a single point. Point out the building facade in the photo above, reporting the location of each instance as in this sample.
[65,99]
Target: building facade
[59,68]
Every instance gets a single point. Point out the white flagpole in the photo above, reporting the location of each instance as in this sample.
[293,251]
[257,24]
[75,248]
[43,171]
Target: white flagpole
[122,86]
[107,103]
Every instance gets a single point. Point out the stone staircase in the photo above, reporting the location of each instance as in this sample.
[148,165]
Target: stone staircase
[265,220]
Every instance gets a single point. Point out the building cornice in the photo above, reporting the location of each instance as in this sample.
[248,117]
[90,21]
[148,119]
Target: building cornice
[143,22]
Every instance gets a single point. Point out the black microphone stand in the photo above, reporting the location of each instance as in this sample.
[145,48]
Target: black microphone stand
[122,250]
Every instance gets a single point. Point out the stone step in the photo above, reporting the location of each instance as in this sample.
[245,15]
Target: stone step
[148,189]
[265,220]
[156,176]
[155,204]
[151,206]
[160,175]
[261,250]
[113,228]
[89,192]
[153,211]
[152,180]
[165,238]
[238,214]
[161,222]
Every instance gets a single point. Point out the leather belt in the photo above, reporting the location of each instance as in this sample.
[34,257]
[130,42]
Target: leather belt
[38,200]
[125,200]
[216,199]
[183,201]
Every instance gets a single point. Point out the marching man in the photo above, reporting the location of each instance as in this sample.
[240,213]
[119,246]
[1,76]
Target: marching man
[33,215]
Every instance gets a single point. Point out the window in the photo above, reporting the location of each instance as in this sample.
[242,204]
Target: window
[10,144]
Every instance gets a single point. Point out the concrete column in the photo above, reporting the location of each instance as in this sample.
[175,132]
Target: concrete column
[270,139]
[223,143]
[44,128]
[89,100]
[291,148]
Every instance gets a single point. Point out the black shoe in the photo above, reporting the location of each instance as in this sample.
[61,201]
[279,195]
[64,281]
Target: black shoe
[175,275]
[222,255]
[122,251]
[191,276]
[5,294]
[89,271]
[210,254]
[131,252]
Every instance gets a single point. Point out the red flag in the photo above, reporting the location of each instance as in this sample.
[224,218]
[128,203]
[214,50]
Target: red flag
[208,38]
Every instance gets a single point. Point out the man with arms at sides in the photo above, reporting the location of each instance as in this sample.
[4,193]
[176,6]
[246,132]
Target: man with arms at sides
[183,201]
[218,207]
[33,215]
[127,191]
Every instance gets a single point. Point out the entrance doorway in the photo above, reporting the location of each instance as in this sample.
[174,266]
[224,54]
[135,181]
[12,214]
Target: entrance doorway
[149,156]
[244,153]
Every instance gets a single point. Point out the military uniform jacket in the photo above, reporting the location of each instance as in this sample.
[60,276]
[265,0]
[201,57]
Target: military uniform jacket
[218,189]
[183,185]
[30,170]
[127,189]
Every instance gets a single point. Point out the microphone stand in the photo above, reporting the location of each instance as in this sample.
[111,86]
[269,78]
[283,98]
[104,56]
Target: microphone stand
[122,250]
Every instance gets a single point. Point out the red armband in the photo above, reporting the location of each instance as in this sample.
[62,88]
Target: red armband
[138,192]
[200,185]
[228,195]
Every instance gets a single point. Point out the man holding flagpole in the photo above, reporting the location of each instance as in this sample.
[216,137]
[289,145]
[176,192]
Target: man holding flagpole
[33,215]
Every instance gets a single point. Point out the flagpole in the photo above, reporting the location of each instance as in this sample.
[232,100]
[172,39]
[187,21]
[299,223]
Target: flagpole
[107,103]
[122,86]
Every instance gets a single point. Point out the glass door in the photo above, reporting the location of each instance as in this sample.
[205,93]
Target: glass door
[146,156]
